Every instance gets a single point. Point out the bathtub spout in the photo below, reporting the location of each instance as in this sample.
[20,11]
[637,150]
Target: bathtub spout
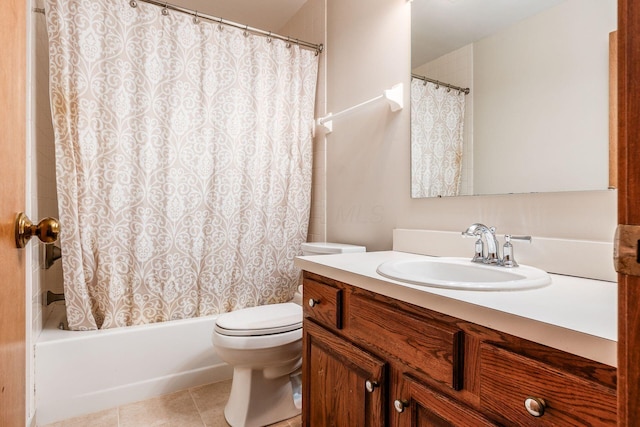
[51,297]
[52,253]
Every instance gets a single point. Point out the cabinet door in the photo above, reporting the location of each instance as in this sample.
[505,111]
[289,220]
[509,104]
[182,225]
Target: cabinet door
[423,407]
[343,384]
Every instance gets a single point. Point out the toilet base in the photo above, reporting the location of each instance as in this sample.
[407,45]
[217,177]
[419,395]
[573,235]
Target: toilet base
[256,401]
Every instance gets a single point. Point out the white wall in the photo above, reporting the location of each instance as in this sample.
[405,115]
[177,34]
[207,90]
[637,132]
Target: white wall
[542,98]
[368,175]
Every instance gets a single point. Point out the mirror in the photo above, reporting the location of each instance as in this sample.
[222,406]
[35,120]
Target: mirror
[536,118]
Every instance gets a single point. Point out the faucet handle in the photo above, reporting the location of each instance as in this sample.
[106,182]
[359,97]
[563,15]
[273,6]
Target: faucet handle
[507,250]
[478,256]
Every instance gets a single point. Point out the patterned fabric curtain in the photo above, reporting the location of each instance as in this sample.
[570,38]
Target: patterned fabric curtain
[437,119]
[183,156]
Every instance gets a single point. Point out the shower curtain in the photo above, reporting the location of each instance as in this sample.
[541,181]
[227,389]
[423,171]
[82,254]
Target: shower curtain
[183,161]
[437,119]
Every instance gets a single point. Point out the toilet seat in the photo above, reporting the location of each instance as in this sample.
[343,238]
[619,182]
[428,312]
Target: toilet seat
[262,320]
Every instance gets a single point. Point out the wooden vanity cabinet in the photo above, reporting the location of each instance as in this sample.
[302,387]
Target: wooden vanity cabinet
[370,360]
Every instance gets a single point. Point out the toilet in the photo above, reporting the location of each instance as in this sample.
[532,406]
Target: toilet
[264,346]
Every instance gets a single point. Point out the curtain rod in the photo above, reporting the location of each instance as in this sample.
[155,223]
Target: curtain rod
[196,15]
[168,6]
[465,90]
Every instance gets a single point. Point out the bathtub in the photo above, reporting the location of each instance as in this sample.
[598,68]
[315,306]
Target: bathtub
[82,372]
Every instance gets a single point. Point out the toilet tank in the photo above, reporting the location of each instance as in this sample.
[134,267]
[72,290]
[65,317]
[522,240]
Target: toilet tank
[324,248]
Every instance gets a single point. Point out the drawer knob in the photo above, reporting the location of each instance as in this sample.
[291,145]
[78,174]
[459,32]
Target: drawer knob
[400,405]
[371,385]
[535,406]
[313,302]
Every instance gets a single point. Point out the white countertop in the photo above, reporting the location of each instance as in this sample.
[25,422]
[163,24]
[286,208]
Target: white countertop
[572,314]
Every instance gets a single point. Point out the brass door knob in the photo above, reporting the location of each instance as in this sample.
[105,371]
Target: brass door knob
[47,230]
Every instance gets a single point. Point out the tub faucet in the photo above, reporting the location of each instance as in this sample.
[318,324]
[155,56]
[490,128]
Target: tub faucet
[480,231]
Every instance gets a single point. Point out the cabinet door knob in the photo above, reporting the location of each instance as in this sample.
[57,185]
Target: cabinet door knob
[371,385]
[535,406]
[400,405]
[313,302]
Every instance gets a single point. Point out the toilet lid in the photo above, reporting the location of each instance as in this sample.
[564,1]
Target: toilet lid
[262,320]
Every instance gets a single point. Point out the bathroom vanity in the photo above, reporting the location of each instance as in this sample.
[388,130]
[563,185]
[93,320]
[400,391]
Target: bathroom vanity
[379,353]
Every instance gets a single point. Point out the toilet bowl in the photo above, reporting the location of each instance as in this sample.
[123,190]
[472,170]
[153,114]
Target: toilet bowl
[264,346]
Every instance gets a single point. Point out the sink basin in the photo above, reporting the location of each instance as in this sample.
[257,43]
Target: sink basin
[461,273]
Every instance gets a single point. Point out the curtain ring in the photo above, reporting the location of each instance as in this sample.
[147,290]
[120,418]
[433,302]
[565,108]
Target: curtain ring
[220,27]
[448,89]
[424,82]
[165,10]
[317,52]
[288,42]
[246,31]
[195,18]
[269,39]
[133,3]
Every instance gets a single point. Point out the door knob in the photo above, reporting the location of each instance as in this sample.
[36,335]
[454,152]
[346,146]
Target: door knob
[47,230]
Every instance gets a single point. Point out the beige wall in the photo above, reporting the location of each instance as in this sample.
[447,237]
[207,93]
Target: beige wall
[368,151]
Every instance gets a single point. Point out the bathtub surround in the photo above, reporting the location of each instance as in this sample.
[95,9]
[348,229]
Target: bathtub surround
[183,163]
[84,372]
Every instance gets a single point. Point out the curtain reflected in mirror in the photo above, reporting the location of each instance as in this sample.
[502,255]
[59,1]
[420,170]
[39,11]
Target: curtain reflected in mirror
[437,125]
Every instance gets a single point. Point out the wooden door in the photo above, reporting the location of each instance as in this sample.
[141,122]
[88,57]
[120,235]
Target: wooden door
[335,376]
[629,209]
[13,73]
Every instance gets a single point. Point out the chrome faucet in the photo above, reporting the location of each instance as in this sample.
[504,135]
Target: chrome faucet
[480,231]
[492,256]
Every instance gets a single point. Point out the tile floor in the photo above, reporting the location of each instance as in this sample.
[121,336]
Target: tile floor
[201,406]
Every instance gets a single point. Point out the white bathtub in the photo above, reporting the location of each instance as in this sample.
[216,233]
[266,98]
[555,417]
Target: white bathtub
[82,372]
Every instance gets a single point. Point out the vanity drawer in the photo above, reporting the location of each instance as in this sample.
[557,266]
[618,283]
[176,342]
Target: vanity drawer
[322,303]
[431,348]
[508,379]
